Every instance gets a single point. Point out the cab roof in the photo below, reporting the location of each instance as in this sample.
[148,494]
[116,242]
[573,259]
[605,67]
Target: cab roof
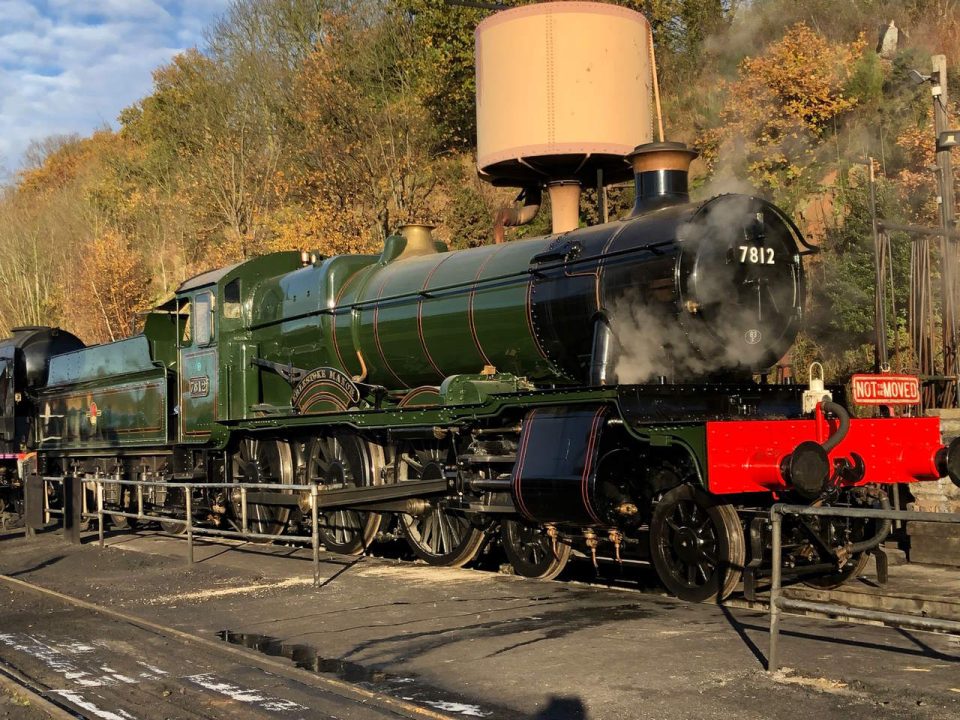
[210,277]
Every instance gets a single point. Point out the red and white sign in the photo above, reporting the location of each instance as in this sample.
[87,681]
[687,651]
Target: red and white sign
[885,389]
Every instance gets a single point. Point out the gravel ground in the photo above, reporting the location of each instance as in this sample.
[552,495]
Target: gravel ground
[489,645]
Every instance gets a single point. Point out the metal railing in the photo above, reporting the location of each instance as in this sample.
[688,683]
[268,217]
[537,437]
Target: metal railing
[313,491]
[780,604]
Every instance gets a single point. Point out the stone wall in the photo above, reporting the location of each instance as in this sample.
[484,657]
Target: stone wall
[936,543]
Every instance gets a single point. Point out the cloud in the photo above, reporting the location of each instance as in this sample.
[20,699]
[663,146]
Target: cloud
[71,67]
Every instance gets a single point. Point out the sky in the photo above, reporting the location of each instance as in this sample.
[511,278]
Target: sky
[71,66]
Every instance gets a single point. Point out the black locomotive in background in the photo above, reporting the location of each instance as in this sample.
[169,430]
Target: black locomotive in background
[24,363]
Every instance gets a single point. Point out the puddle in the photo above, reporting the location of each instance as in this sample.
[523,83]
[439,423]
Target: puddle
[304,657]
[405,687]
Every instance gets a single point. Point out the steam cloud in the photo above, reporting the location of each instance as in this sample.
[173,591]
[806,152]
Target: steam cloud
[656,341]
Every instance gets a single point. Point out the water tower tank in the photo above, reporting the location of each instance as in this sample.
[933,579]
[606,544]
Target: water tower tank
[563,89]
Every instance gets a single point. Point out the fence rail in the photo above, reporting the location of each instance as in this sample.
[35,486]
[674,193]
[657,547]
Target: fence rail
[780,604]
[312,492]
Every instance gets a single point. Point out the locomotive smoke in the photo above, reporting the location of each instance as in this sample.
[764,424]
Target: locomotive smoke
[653,342]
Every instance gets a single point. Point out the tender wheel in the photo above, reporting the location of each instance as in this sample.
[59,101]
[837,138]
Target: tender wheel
[338,462]
[531,551]
[697,545]
[172,527]
[174,501]
[437,535]
[119,522]
[268,462]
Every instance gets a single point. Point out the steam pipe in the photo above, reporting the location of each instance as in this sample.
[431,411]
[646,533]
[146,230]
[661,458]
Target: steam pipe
[881,534]
[514,216]
[491,485]
[841,433]
[603,352]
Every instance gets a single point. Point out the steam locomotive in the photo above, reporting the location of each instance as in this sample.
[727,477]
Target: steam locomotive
[599,391]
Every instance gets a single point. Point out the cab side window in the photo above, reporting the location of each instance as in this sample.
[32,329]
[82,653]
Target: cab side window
[184,330]
[231,299]
[203,319]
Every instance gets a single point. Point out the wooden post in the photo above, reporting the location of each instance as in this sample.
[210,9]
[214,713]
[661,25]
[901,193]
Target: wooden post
[949,254]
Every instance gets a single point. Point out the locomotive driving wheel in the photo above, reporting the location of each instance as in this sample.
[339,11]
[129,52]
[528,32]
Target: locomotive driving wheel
[697,545]
[341,461]
[531,551]
[267,462]
[438,535]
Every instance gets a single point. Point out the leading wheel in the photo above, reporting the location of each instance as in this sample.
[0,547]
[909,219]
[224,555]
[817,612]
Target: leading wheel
[267,462]
[531,551]
[853,568]
[697,545]
[438,535]
[342,461]
[853,531]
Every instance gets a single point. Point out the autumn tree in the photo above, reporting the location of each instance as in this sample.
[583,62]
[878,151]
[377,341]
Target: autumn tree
[779,107]
[110,285]
[365,153]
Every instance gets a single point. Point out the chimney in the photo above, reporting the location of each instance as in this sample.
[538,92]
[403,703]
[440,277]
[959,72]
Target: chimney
[660,171]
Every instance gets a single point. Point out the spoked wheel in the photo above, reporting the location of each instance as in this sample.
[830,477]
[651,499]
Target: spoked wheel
[437,535]
[697,545]
[853,568]
[344,461]
[531,550]
[857,531]
[268,462]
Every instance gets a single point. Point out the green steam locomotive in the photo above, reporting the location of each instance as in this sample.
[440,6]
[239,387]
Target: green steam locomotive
[593,391]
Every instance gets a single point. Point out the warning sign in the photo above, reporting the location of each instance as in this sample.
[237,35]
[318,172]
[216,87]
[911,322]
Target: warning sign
[885,389]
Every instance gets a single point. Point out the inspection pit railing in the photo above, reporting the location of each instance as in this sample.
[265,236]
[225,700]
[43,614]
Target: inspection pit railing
[319,499]
[780,604]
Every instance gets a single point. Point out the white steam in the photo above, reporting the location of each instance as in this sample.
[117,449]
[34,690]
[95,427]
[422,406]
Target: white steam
[734,325]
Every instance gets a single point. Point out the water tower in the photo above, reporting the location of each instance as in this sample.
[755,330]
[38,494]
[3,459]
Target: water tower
[563,91]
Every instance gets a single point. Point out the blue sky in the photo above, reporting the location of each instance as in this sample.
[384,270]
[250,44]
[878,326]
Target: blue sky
[70,66]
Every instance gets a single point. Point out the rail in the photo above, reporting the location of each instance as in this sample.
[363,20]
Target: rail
[780,604]
[318,498]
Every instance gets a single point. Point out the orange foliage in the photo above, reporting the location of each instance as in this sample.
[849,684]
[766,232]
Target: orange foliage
[916,182]
[111,284]
[67,163]
[781,102]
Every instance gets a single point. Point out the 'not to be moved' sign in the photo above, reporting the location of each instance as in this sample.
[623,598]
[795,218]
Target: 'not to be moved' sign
[885,389]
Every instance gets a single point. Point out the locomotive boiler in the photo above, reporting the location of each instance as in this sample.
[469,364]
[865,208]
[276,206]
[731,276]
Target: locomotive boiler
[24,366]
[726,273]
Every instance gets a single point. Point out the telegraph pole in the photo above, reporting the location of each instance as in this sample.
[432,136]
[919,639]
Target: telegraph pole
[949,254]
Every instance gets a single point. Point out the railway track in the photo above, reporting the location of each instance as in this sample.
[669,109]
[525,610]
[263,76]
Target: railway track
[17,686]
[92,666]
